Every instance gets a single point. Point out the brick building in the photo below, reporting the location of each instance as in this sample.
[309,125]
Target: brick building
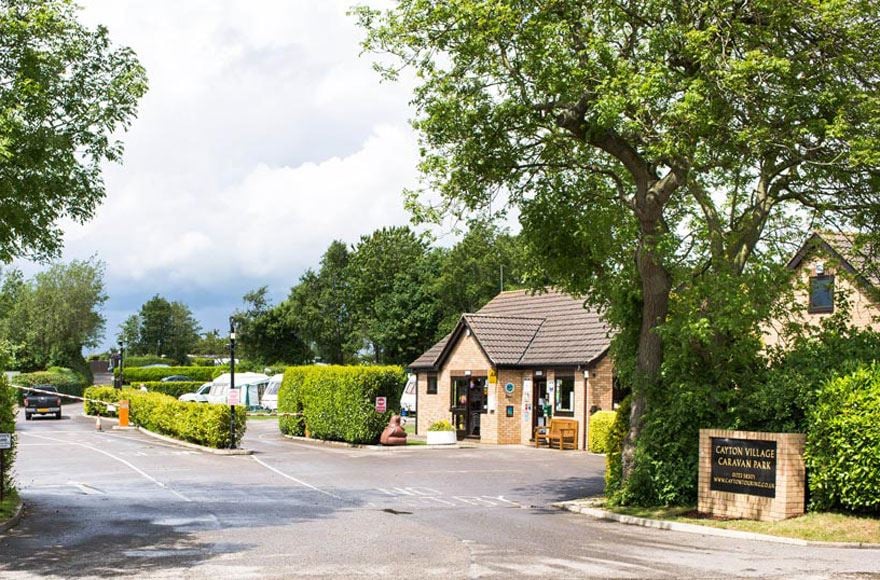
[507,368]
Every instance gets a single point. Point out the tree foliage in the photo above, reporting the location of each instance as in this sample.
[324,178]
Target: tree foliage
[268,334]
[65,92]
[684,143]
[161,328]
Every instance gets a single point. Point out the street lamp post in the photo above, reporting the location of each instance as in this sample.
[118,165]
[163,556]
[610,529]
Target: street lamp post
[121,362]
[231,381]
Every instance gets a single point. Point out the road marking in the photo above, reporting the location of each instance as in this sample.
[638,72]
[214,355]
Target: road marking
[111,456]
[291,478]
[86,488]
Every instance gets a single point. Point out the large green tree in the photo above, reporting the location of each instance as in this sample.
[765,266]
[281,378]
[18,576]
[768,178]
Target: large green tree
[269,334]
[65,92]
[679,137]
[161,328]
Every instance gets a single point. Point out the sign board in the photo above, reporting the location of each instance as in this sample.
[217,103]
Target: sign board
[509,388]
[510,410]
[5,440]
[381,404]
[232,397]
[493,377]
[743,466]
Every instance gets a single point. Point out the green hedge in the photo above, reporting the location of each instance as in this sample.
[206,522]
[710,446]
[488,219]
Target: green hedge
[108,394]
[600,425]
[7,425]
[139,375]
[614,450]
[338,403]
[66,381]
[172,389]
[201,361]
[843,443]
[142,361]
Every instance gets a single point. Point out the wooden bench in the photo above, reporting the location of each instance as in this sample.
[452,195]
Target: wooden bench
[563,433]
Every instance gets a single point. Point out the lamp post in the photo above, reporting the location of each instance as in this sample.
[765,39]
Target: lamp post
[121,362]
[231,381]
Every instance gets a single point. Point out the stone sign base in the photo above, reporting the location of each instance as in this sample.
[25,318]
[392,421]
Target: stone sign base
[751,475]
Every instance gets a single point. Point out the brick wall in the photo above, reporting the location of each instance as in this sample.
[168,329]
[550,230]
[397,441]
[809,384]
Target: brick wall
[790,479]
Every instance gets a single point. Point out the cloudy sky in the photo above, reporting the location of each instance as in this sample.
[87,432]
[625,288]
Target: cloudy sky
[264,136]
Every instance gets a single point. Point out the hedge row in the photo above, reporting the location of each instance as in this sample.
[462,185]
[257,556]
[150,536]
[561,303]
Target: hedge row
[171,388]
[843,443]
[66,381]
[338,403]
[107,394]
[199,423]
[139,375]
[600,425]
[7,425]
[151,359]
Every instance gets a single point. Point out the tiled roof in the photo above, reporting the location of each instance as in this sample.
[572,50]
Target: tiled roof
[522,329]
[860,258]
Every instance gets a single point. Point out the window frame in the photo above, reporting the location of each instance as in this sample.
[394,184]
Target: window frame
[812,307]
[557,398]
[431,379]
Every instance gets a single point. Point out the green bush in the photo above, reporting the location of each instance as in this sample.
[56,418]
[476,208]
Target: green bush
[600,424]
[843,443]
[7,425]
[614,449]
[137,375]
[65,380]
[442,425]
[171,388]
[337,402]
[106,394]
[201,361]
[200,423]
[150,359]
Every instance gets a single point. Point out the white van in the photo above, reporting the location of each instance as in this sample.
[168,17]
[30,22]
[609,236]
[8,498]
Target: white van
[408,398]
[270,395]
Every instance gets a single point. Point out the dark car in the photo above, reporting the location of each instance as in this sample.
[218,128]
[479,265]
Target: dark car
[175,379]
[42,403]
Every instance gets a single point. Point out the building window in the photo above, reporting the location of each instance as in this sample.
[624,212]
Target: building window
[564,395]
[432,384]
[821,294]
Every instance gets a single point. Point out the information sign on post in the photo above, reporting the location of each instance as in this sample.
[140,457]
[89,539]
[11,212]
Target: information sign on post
[5,440]
[5,443]
[232,397]
[381,404]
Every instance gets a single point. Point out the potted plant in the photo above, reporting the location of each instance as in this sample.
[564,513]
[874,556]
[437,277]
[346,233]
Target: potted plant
[441,433]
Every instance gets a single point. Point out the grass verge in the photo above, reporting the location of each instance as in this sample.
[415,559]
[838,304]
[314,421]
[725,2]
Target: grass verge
[816,527]
[8,505]
[262,417]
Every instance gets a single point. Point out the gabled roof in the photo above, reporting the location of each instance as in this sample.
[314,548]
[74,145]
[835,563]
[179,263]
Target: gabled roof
[522,329]
[861,260]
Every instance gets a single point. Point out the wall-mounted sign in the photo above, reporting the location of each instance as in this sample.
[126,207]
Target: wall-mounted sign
[510,410]
[381,404]
[743,466]
[493,377]
[509,388]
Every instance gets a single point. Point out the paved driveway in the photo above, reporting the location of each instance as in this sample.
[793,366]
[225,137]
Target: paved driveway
[120,503]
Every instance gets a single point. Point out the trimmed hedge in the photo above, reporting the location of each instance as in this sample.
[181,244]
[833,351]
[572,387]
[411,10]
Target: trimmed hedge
[843,443]
[108,394]
[139,375]
[66,381]
[171,388]
[150,359]
[7,425]
[600,425]
[338,402]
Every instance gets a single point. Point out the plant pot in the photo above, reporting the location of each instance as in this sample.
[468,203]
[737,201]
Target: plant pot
[441,438]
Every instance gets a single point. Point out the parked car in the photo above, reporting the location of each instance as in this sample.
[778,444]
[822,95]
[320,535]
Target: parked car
[42,403]
[270,395]
[408,398]
[175,379]
[200,396]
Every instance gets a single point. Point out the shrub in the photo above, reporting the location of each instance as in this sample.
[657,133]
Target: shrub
[614,449]
[600,424]
[200,423]
[442,425]
[201,361]
[337,403]
[65,380]
[171,388]
[139,375]
[7,425]
[106,394]
[150,359]
[843,443]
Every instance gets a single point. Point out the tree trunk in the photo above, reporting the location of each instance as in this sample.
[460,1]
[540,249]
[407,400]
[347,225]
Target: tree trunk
[655,296]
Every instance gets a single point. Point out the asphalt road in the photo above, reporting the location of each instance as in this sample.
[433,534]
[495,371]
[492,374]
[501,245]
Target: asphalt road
[123,504]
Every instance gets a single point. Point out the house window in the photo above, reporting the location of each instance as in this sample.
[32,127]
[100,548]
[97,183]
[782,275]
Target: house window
[821,294]
[564,395]
[432,384]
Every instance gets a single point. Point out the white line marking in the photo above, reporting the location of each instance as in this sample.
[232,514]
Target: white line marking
[111,456]
[291,478]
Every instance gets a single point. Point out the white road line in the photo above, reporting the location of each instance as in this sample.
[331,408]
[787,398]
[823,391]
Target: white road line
[291,478]
[111,456]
